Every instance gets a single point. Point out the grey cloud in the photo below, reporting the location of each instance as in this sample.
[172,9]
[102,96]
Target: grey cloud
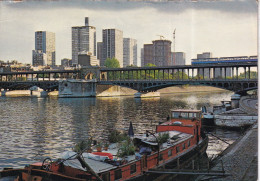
[175,6]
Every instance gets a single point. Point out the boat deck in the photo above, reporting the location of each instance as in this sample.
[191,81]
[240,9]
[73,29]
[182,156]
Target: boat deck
[99,166]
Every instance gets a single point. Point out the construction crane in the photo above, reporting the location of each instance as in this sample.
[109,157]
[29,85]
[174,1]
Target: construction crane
[161,37]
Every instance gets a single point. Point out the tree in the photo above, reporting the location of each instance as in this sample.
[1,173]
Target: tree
[112,63]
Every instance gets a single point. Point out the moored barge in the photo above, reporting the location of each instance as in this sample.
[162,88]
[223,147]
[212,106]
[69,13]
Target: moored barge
[180,138]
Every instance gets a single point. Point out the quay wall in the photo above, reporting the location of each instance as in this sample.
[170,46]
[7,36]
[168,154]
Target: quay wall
[235,121]
[108,90]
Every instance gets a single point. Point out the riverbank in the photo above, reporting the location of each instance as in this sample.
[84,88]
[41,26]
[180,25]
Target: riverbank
[109,91]
[240,159]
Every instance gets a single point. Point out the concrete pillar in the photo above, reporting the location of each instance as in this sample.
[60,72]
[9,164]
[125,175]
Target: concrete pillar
[235,101]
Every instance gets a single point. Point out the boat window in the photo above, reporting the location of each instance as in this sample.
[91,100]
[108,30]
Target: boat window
[177,149]
[118,174]
[184,115]
[188,143]
[169,153]
[133,168]
[175,114]
[106,176]
[161,157]
[183,146]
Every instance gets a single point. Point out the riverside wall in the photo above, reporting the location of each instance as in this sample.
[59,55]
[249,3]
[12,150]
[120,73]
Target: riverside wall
[108,90]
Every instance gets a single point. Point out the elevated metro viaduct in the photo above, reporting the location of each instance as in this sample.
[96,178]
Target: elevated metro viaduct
[142,79]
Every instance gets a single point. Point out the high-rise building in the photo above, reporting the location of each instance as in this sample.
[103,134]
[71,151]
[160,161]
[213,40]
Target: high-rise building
[44,44]
[148,54]
[162,52]
[39,58]
[142,57]
[130,52]
[158,53]
[83,40]
[99,50]
[178,58]
[112,45]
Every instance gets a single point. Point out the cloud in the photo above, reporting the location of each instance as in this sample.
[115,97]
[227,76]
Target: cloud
[175,6]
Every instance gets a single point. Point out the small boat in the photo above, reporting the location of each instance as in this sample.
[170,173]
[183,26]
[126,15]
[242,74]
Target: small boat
[207,117]
[173,142]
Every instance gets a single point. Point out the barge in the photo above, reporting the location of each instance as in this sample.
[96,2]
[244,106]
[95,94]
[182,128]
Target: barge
[175,141]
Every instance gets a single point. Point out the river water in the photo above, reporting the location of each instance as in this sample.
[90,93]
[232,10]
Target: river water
[34,128]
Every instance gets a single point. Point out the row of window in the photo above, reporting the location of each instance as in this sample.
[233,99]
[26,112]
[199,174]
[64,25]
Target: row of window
[118,173]
[177,150]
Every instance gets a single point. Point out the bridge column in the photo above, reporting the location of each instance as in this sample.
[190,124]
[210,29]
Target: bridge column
[225,73]
[232,72]
[245,71]
[203,73]
[248,72]
[237,73]
[192,72]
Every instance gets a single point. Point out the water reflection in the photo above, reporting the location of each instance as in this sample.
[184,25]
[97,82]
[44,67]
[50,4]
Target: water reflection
[33,128]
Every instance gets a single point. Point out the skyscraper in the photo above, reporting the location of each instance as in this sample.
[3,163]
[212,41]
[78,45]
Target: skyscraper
[130,52]
[99,50]
[44,44]
[158,53]
[112,45]
[178,58]
[83,40]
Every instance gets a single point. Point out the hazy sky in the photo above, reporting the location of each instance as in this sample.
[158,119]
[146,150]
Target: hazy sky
[225,28]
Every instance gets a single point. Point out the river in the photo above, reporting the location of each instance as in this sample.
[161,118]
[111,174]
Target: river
[34,128]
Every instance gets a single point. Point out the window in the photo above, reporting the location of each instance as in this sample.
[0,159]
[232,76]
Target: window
[118,174]
[183,146]
[177,149]
[133,168]
[189,143]
[106,176]
[175,114]
[169,153]
[184,115]
[161,157]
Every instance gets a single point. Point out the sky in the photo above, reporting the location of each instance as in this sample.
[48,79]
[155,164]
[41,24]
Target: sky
[225,28]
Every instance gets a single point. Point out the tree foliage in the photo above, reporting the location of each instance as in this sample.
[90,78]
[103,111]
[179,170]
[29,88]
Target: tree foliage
[112,63]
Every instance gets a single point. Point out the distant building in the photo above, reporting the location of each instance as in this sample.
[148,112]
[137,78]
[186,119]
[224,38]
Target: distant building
[204,55]
[130,52]
[65,62]
[158,53]
[142,57]
[86,59]
[162,52]
[44,44]
[39,58]
[83,40]
[148,54]
[99,50]
[178,58]
[112,45]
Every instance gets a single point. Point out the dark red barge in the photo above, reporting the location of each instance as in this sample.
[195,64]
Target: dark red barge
[185,139]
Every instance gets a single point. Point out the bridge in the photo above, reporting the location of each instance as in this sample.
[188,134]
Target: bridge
[142,79]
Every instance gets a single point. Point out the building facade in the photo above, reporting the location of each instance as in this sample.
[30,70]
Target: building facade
[83,40]
[158,53]
[99,50]
[86,59]
[162,52]
[39,58]
[178,58]
[65,62]
[44,44]
[129,52]
[112,45]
